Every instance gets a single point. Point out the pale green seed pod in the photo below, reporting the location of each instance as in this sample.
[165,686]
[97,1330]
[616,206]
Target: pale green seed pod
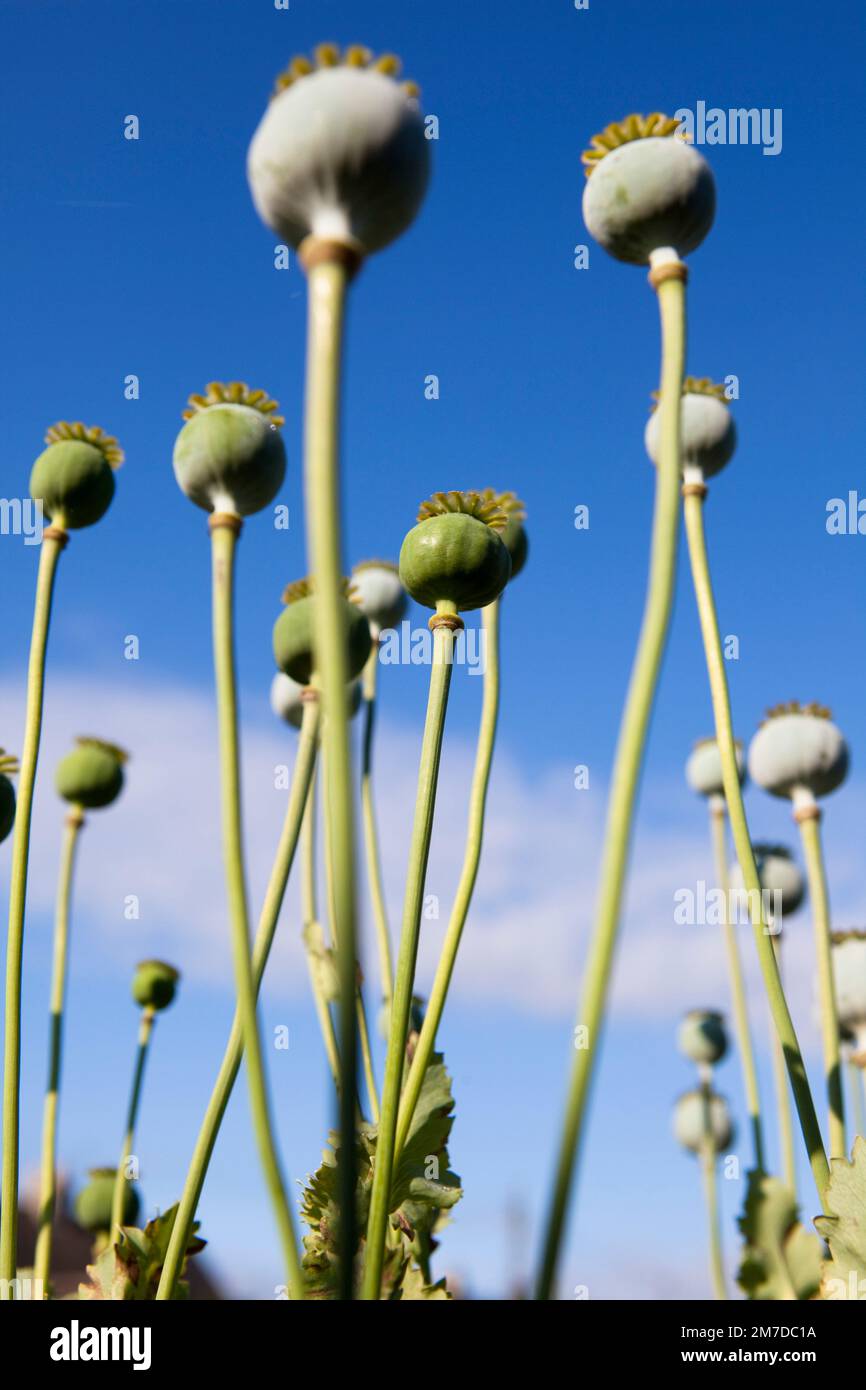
[455,555]
[8,766]
[702,1037]
[379,594]
[93,1203]
[74,477]
[704,767]
[294,633]
[340,153]
[647,189]
[849,977]
[92,774]
[798,750]
[286,699]
[778,873]
[689,1121]
[708,435]
[230,456]
[154,984]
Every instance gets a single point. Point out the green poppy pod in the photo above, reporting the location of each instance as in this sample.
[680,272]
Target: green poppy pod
[287,700]
[702,1036]
[93,1203]
[92,774]
[154,984]
[455,556]
[74,477]
[646,189]
[691,1116]
[514,536]
[798,751]
[849,978]
[230,455]
[293,637]
[341,152]
[8,766]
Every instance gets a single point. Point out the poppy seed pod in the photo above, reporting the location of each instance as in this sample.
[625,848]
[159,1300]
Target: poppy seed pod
[379,593]
[455,555]
[154,984]
[849,977]
[702,1036]
[8,766]
[778,873]
[514,536]
[704,767]
[287,700]
[341,151]
[646,189]
[230,456]
[294,633]
[93,1203]
[798,751]
[92,774]
[690,1119]
[708,435]
[74,477]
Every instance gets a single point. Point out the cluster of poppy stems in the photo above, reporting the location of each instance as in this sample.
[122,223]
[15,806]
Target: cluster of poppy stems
[338,167]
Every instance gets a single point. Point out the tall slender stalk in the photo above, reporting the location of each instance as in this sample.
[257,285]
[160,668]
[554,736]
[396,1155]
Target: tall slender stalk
[328,271]
[419,851]
[809,820]
[627,764]
[694,517]
[53,541]
[471,859]
[224,533]
[371,833]
[738,990]
[360,1007]
[48,1180]
[711,1196]
[783,1094]
[305,761]
[310,916]
[145,1030]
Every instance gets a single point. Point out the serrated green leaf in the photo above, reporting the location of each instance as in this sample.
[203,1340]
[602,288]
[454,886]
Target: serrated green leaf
[781,1260]
[128,1269]
[844,1274]
[423,1174]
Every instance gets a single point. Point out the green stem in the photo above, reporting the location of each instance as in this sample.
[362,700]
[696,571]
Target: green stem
[371,834]
[52,544]
[145,1032]
[360,1007]
[312,931]
[48,1182]
[738,989]
[783,1095]
[224,542]
[428,774]
[327,298]
[740,830]
[627,767]
[471,859]
[305,761]
[708,1169]
[810,833]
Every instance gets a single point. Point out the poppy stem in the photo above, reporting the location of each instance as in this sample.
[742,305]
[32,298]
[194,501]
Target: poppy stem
[783,1095]
[145,1032]
[711,1197]
[694,517]
[312,930]
[809,820]
[428,775]
[627,765]
[371,832]
[53,542]
[48,1182]
[302,773]
[224,533]
[471,859]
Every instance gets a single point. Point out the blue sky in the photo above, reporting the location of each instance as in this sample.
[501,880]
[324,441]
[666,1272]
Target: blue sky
[147,257]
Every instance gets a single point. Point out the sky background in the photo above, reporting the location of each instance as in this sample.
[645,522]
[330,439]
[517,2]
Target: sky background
[147,257]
